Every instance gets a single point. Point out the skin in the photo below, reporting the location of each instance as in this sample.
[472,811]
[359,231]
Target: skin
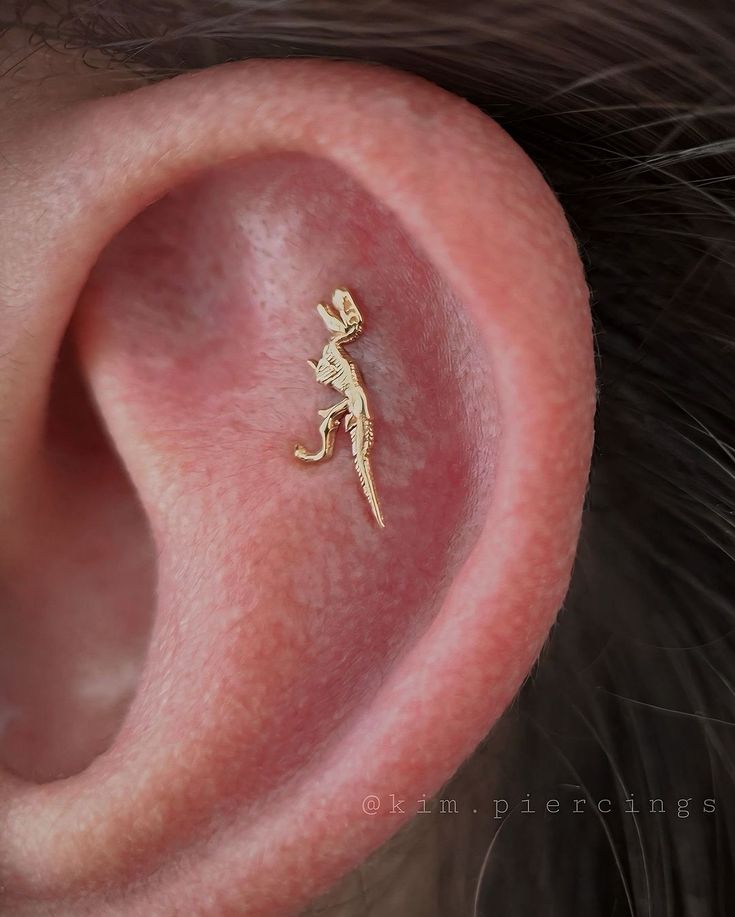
[282,657]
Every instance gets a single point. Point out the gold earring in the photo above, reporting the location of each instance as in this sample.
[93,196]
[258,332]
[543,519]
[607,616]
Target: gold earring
[344,322]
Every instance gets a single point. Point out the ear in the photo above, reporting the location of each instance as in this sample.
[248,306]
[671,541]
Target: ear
[302,662]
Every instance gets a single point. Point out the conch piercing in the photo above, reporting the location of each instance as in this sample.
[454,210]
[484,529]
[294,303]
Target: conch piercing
[335,368]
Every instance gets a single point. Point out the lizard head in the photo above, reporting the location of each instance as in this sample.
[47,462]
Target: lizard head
[342,317]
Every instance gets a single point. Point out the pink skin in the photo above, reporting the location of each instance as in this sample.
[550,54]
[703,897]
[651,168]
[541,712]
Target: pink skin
[300,658]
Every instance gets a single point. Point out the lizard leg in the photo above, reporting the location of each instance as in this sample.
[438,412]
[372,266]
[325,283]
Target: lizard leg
[327,429]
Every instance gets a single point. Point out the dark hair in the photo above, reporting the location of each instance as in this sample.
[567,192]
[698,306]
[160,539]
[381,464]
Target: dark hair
[629,110]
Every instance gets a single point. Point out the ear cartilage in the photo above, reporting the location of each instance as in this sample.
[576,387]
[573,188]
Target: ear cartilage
[335,368]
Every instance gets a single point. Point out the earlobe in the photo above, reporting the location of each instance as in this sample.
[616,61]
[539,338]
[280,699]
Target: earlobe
[301,660]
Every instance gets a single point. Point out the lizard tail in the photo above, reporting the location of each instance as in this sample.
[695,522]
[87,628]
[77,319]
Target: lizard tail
[368,486]
[361,434]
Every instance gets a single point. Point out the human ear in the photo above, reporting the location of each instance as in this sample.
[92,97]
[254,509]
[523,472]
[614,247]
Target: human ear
[301,659]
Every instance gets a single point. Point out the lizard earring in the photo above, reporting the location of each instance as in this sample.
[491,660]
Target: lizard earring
[344,322]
